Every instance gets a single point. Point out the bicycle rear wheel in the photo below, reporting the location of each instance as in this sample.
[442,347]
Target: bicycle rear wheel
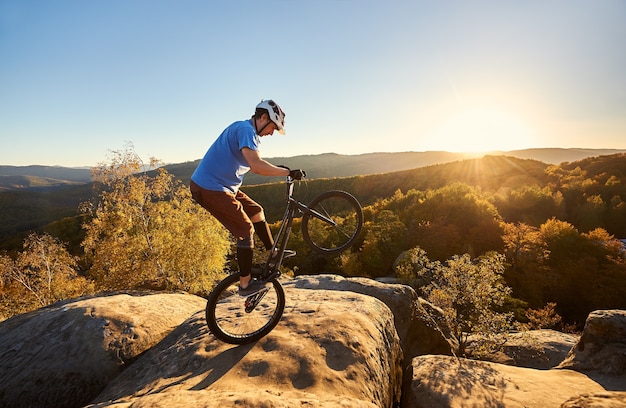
[333,222]
[238,320]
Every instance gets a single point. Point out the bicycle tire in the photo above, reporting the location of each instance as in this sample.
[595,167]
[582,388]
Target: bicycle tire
[231,323]
[347,216]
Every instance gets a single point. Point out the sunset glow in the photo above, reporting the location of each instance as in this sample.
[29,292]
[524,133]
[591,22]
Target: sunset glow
[80,78]
[481,129]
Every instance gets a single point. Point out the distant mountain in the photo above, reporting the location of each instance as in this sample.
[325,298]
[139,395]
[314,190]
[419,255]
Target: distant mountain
[369,177]
[329,165]
[41,177]
[558,155]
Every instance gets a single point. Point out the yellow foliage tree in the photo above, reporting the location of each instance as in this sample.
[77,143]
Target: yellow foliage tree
[43,273]
[146,231]
[469,292]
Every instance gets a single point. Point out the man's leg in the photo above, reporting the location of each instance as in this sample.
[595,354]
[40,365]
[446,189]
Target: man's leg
[245,251]
[262,229]
[230,212]
[247,286]
[257,217]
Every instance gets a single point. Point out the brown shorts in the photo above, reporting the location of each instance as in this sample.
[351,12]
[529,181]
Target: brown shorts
[232,210]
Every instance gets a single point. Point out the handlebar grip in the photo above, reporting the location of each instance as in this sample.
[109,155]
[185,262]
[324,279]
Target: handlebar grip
[297,174]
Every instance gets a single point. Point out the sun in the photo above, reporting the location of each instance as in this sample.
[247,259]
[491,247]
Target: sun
[481,129]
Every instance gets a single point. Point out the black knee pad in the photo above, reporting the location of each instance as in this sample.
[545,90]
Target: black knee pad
[247,242]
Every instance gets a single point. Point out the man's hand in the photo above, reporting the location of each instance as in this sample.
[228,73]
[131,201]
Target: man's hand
[297,174]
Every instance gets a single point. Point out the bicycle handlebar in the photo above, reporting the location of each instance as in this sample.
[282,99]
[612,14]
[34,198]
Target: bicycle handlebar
[297,174]
[289,185]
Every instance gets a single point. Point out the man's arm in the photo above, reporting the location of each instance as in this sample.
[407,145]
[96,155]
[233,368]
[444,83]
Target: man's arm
[260,166]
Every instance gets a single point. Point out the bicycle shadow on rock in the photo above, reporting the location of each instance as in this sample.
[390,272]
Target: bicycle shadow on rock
[220,365]
[187,354]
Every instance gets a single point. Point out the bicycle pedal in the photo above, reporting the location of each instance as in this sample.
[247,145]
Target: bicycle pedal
[253,300]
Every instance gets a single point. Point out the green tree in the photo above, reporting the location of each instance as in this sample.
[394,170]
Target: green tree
[146,230]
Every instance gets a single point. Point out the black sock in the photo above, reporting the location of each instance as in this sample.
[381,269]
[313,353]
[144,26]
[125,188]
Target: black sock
[244,260]
[262,229]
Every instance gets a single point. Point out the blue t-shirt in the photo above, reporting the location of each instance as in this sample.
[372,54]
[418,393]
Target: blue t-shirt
[223,166]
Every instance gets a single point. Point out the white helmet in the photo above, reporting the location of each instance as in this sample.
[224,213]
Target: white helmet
[275,113]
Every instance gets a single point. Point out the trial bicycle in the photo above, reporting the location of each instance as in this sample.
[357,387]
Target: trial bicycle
[331,223]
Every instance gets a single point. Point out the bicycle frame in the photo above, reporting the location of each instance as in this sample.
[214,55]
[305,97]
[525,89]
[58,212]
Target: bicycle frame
[282,236]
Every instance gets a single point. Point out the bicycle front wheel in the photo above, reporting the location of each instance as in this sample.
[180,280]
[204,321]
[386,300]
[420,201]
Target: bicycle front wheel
[239,320]
[332,222]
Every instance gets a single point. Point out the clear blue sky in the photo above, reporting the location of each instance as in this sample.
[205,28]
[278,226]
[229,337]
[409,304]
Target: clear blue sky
[79,78]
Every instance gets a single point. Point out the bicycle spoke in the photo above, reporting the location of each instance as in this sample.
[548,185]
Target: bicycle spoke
[228,318]
[333,222]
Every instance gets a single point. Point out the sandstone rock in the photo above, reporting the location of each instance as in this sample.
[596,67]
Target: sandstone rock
[540,349]
[443,381]
[602,346]
[420,325]
[331,349]
[65,355]
[597,400]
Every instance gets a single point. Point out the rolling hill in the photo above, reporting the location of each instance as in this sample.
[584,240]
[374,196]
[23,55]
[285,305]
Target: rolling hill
[47,194]
[330,165]
[41,177]
[325,165]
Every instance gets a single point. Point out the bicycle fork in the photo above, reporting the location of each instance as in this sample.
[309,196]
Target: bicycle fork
[254,300]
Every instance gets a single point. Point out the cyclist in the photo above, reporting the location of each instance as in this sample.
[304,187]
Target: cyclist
[216,181]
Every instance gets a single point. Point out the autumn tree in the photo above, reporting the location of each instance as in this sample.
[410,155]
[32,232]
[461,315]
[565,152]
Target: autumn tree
[43,273]
[527,272]
[413,268]
[591,213]
[531,204]
[590,269]
[544,318]
[145,229]
[384,239]
[470,293]
[616,216]
[454,219]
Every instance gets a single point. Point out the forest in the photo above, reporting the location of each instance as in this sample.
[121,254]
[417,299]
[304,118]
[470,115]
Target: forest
[554,229]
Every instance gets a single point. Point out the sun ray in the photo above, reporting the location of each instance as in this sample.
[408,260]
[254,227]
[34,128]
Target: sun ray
[481,129]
